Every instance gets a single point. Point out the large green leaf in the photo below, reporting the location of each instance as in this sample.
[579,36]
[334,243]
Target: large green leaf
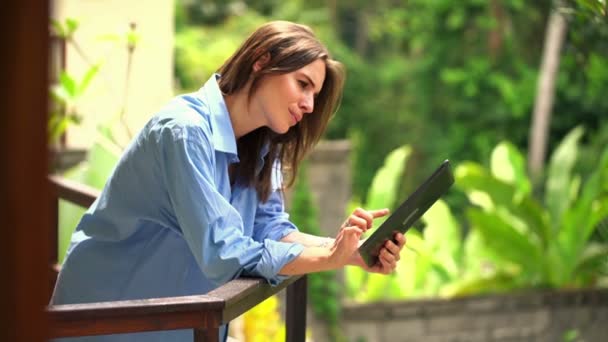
[442,235]
[508,165]
[87,78]
[479,258]
[535,217]
[592,260]
[481,187]
[490,193]
[588,211]
[411,256]
[508,242]
[69,85]
[386,181]
[558,195]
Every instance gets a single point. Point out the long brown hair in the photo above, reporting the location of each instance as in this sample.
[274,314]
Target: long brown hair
[290,47]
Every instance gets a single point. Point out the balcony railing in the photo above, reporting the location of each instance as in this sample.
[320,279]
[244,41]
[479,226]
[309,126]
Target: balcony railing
[204,314]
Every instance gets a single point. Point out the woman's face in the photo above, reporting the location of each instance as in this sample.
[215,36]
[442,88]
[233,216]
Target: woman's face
[283,100]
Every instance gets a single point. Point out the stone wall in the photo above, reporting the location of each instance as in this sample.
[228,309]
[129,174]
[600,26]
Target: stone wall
[541,316]
[329,177]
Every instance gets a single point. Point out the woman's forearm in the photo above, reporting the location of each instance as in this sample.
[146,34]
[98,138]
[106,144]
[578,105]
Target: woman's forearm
[308,240]
[312,259]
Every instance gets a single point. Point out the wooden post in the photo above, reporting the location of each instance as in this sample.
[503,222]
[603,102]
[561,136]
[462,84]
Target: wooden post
[24,190]
[296,311]
[207,335]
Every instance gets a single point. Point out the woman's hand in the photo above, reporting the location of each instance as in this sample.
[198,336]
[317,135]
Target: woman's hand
[345,244]
[348,240]
[363,218]
[389,253]
[387,258]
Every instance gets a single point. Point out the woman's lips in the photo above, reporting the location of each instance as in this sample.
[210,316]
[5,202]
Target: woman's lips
[295,116]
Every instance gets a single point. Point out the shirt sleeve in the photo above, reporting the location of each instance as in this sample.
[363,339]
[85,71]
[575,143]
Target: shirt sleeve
[212,228]
[271,220]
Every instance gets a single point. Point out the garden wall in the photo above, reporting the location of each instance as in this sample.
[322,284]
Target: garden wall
[540,316]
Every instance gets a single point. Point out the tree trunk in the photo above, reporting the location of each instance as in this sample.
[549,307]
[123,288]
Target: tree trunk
[545,93]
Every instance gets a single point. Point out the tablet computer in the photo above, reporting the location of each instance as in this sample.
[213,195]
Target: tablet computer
[408,212]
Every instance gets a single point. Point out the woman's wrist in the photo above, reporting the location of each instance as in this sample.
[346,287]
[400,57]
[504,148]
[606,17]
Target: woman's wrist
[326,242]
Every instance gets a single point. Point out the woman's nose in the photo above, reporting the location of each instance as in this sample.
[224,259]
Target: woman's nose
[307,104]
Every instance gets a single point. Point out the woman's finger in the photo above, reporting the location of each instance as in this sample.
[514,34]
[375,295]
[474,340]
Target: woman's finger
[387,262]
[386,256]
[393,249]
[400,238]
[357,221]
[379,212]
[370,215]
[364,215]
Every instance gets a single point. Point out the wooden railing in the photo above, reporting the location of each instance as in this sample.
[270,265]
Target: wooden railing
[202,313]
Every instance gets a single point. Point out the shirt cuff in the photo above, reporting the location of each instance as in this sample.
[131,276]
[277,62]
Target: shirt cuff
[275,255]
[279,234]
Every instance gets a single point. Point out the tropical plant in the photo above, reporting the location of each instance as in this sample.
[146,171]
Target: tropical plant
[68,89]
[546,244]
[514,240]
[435,259]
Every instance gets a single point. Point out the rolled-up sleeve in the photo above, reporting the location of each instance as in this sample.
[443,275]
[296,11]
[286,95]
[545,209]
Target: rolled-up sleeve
[271,220]
[212,228]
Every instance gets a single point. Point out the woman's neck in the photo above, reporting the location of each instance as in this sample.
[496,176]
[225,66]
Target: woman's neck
[243,121]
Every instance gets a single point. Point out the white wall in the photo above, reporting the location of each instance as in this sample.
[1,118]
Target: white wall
[151,78]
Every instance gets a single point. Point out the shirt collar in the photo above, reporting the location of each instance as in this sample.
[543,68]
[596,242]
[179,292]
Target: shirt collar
[223,134]
[221,126]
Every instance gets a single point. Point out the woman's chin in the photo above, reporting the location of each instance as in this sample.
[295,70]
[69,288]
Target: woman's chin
[281,129]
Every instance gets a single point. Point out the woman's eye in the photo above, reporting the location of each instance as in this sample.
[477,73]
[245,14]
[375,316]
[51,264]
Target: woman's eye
[302,84]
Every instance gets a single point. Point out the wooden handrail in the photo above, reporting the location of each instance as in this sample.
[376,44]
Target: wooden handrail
[202,313]
[186,312]
[74,192]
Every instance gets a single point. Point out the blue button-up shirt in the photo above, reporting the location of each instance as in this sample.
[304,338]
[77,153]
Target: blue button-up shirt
[169,223]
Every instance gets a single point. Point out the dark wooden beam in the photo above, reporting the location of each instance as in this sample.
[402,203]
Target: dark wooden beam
[296,311]
[73,192]
[24,190]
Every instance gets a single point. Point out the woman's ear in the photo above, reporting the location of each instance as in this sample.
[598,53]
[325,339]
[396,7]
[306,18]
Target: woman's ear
[261,62]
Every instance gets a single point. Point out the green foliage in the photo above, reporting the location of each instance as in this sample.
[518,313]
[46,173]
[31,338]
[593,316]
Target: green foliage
[548,243]
[382,193]
[68,90]
[66,29]
[442,103]
[323,288]
[514,241]
[66,95]
[432,258]
[201,50]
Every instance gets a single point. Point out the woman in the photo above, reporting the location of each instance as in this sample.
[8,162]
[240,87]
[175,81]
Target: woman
[196,199]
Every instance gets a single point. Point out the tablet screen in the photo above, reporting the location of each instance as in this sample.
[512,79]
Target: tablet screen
[408,212]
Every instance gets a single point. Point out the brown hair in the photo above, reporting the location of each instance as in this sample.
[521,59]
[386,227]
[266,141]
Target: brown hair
[290,47]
